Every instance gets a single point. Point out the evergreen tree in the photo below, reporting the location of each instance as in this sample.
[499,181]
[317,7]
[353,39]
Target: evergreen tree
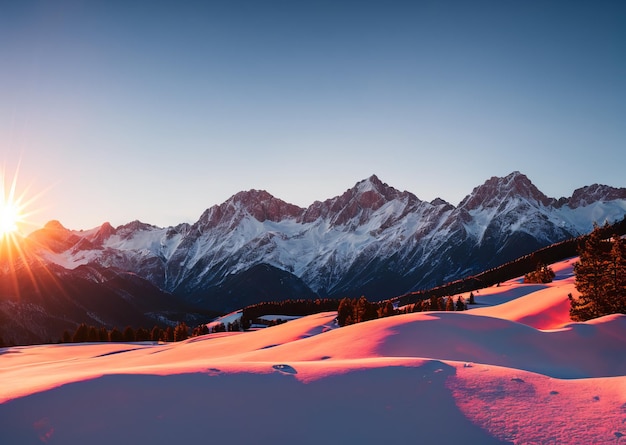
[92,334]
[181,332]
[345,311]
[116,335]
[156,333]
[365,310]
[600,277]
[450,304]
[81,334]
[66,337]
[103,334]
[142,334]
[199,330]
[436,304]
[616,286]
[219,328]
[236,326]
[542,274]
[386,309]
[245,324]
[460,304]
[129,334]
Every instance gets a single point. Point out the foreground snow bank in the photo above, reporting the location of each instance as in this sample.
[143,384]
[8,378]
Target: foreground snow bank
[486,376]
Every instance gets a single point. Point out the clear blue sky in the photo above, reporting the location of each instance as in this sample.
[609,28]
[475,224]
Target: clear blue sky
[157,110]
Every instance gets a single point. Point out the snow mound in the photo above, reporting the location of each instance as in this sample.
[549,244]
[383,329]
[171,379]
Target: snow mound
[578,350]
[514,373]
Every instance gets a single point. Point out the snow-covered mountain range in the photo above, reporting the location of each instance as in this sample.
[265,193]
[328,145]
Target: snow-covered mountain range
[372,240]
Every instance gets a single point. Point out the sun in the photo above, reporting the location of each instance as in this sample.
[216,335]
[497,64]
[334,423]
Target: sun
[10,217]
[13,207]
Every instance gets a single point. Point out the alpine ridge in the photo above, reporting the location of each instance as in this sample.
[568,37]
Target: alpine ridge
[371,240]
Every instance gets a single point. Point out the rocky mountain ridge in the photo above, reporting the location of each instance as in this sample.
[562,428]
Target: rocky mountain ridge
[373,239]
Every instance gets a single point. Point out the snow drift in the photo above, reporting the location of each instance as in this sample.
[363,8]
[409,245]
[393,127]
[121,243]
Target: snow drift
[479,377]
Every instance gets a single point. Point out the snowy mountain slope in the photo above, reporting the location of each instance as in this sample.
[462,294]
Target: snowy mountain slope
[372,240]
[430,377]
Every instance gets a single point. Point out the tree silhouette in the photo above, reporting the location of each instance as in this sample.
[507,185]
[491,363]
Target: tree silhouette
[600,277]
[116,335]
[365,310]
[103,334]
[92,334]
[168,334]
[460,304]
[450,304]
[129,334]
[66,337]
[142,334]
[181,332]
[156,333]
[542,274]
[345,312]
[81,334]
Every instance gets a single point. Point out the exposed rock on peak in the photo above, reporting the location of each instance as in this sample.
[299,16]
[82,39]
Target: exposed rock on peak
[54,225]
[259,204]
[263,206]
[54,236]
[496,190]
[105,231]
[595,193]
[358,202]
[441,202]
[127,231]
[135,225]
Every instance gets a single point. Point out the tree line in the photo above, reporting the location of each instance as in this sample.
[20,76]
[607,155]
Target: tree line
[357,310]
[541,275]
[87,334]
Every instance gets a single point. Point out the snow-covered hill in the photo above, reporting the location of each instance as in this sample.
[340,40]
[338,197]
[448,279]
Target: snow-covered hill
[372,240]
[485,376]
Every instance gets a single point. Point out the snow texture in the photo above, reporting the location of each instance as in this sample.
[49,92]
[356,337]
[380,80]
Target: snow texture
[514,370]
[326,242]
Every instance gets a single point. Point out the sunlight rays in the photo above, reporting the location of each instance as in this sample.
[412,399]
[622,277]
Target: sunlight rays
[11,207]
[18,253]
[16,207]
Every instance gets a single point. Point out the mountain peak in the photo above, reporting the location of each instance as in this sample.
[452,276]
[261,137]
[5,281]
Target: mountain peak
[263,206]
[497,189]
[54,225]
[359,202]
[594,193]
[252,195]
[54,236]
[259,204]
[105,231]
[372,181]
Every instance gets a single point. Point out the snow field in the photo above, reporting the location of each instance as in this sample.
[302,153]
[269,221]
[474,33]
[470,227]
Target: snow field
[516,372]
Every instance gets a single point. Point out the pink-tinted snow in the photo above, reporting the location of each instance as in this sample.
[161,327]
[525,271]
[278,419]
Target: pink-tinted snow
[516,372]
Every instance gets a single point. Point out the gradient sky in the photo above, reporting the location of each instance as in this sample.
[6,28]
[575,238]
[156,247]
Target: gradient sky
[157,110]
